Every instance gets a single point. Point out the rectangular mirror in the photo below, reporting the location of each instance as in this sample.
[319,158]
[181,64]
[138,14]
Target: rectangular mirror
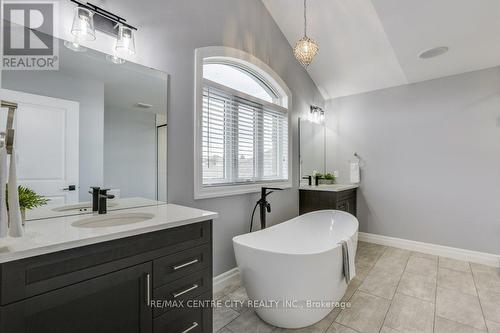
[90,123]
[312,147]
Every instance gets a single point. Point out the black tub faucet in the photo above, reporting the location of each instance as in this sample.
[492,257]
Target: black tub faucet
[264,205]
[103,197]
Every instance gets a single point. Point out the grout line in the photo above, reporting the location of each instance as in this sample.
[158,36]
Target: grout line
[478,298]
[394,295]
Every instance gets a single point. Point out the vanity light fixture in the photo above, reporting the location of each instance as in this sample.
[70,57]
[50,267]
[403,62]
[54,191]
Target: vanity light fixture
[306,48]
[83,24]
[316,114]
[113,58]
[89,17]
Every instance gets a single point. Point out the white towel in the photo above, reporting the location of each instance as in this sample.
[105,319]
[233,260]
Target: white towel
[15,220]
[4,217]
[348,259]
[355,174]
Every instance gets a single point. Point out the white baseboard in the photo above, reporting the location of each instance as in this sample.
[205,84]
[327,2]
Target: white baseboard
[439,250]
[225,279]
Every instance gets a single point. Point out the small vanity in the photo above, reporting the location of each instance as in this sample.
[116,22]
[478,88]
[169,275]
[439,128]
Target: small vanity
[64,274]
[335,196]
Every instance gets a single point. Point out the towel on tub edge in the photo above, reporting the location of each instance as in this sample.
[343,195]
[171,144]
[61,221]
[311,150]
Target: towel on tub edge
[348,259]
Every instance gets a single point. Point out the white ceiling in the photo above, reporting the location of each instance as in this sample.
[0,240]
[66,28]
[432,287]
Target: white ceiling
[367,45]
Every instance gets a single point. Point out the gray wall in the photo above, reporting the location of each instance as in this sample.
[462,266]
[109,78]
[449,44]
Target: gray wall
[130,152]
[169,32]
[90,95]
[430,159]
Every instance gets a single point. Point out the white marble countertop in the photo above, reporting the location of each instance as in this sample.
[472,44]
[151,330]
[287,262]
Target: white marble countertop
[51,211]
[329,188]
[57,234]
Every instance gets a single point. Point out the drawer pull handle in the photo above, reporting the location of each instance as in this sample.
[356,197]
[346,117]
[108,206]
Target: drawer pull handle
[192,327]
[148,289]
[180,293]
[189,263]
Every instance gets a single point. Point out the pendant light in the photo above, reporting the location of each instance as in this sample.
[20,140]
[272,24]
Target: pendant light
[83,24]
[306,48]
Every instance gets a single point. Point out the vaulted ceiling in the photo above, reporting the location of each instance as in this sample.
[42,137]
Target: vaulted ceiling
[367,45]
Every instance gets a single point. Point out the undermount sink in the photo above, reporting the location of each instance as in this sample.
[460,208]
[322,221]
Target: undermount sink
[112,220]
[82,207]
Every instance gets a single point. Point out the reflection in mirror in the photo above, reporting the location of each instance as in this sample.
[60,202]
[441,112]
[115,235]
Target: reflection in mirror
[90,123]
[312,147]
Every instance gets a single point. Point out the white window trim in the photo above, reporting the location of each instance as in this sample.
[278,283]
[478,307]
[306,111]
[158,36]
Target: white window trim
[258,66]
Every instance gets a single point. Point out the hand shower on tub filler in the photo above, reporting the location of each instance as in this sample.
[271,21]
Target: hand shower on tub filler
[264,206]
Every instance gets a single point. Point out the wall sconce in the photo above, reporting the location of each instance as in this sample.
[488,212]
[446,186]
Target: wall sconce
[89,17]
[316,114]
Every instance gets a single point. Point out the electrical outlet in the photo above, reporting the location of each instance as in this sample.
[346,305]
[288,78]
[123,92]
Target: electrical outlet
[336,173]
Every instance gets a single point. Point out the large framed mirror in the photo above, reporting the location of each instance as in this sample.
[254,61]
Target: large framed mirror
[89,123]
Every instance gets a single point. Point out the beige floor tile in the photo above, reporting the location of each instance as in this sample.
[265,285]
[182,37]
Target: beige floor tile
[422,266]
[337,328]
[486,277]
[419,286]
[457,265]
[443,325]
[409,314]
[351,289]
[249,322]
[366,314]
[493,327]
[456,280]
[388,330]
[224,330]
[459,307]
[362,269]
[424,255]
[490,302]
[319,327]
[237,300]
[381,281]
[369,253]
[223,316]
[231,285]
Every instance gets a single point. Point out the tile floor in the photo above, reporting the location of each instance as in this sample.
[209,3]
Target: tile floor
[394,291]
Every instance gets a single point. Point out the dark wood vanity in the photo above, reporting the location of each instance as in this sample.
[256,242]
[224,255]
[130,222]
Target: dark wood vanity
[110,286]
[314,199]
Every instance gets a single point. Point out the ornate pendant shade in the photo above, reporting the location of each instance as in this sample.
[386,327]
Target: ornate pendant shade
[306,48]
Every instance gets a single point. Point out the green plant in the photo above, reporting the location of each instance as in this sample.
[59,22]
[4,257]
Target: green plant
[329,176]
[28,199]
[318,175]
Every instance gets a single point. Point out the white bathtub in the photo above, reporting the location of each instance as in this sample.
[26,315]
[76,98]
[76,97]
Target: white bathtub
[294,262]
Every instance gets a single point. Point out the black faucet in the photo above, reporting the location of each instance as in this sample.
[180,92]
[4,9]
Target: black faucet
[309,179]
[95,198]
[264,205]
[103,197]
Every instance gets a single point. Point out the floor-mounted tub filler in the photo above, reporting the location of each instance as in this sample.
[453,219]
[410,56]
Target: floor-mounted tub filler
[293,271]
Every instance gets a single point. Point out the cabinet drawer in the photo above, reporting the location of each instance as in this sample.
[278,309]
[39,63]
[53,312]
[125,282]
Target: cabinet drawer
[183,289]
[347,194]
[175,266]
[186,320]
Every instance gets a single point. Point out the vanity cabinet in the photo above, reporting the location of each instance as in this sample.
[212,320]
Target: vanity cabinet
[112,286]
[311,200]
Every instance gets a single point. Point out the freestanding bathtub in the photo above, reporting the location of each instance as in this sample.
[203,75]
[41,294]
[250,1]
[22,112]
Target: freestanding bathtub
[293,271]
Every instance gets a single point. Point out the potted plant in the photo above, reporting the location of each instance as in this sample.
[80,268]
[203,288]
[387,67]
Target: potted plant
[328,178]
[28,199]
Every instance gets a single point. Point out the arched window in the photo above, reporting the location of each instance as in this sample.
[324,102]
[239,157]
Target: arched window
[242,135]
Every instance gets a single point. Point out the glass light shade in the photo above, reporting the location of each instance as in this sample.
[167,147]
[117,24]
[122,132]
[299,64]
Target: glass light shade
[74,46]
[114,59]
[83,24]
[125,43]
[305,50]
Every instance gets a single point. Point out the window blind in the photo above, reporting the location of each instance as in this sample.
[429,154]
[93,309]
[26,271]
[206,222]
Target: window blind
[242,141]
